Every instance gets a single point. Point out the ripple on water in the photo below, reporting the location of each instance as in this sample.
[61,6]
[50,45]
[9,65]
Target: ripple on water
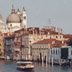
[11,67]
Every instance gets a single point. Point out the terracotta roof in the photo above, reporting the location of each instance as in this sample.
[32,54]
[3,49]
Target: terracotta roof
[53,42]
[67,35]
[45,31]
[46,41]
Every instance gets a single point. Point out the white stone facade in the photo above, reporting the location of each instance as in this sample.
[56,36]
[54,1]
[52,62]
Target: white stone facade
[14,27]
[38,49]
[70,53]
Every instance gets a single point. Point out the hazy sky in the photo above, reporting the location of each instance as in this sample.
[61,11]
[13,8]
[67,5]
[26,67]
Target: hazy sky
[39,12]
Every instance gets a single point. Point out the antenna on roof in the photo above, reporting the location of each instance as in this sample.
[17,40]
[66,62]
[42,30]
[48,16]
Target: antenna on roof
[12,6]
[24,9]
[49,20]
[13,10]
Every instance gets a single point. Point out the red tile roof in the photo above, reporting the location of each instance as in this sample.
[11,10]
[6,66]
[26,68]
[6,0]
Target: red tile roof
[67,35]
[52,42]
[46,41]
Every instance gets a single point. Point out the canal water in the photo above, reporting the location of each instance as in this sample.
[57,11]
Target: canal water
[8,66]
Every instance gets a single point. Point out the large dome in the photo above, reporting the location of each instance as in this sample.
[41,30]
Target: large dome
[13,18]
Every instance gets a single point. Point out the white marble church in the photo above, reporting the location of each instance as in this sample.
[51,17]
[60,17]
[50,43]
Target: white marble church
[16,20]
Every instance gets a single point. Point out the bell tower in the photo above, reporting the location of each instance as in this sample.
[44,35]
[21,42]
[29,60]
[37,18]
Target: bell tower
[24,18]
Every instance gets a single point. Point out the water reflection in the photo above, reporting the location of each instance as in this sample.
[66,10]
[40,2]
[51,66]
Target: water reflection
[11,67]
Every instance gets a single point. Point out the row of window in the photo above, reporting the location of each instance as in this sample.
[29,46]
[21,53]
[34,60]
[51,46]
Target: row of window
[52,51]
[55,51]
[39,48]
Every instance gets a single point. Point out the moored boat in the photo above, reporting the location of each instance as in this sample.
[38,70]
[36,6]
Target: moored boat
[25,65]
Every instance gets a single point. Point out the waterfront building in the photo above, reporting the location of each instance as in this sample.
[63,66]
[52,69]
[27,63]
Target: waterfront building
[52,51]
[31,35]
[1,45]
[41,48]
[59,55]
[70,53]
[8,46]
[25,38]
[18,44]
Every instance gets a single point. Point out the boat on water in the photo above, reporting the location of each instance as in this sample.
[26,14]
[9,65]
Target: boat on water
[25,65]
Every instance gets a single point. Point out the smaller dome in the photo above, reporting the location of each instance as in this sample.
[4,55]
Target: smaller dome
[13,18]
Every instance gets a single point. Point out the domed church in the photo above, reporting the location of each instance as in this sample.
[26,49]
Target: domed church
[16,20]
